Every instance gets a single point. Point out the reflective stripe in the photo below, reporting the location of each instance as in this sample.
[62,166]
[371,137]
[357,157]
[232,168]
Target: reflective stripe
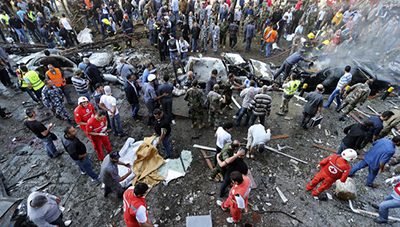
[311,184]
[34,80]
[333,165]
[31,16]
[294,84]
[272,37]
[57,78]
[22,82]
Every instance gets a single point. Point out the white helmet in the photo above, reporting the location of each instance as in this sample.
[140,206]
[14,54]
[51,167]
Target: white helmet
[349,154]
[82,99]
[151,77]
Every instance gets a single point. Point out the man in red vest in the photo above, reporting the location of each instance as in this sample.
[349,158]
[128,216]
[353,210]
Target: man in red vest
[83,112]
[96,128]
[56,76]
[135,207]
[238,196]
[333,167]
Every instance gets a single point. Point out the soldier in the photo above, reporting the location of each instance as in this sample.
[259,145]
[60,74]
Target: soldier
[357,93]
[195,98]
[215,111]
[204,37]
[52,97]
[245,23]
[216,37]
[229,86]
[224,30]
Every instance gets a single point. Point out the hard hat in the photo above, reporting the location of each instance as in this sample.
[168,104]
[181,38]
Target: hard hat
[310,35]
[82,99]
[349,154]
[106,21]
[326,42]
[151,77]
[126,16]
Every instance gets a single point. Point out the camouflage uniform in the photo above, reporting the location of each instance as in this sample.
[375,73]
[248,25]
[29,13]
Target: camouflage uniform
[357,93]
[195,98]
[311,20]
[53,99]
[263,17]
[203,38]
[228,88]
[216,35]
[215,107]
[257,19]
[147,10]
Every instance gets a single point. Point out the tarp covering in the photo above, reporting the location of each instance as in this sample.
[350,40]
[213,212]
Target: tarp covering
[85,36]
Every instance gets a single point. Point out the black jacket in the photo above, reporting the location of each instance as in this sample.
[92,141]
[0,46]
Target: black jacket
[131,95]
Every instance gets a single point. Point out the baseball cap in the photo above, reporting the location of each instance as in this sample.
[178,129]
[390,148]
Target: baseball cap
[114,155]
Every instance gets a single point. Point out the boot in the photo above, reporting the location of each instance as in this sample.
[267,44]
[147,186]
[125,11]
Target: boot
[193,125]
[202,125]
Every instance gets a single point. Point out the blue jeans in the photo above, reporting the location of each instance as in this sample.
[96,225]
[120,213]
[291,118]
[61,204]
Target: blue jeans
[241,112]
[248,43]
[93,22]
[21,35]
[174,57]
[86,166]
[184,55]
[30,93]
[335,94]
[116,125]
[166,145]
[136,13]
[135,109]
[341,148]
[195,45]
[50,148]
[176,14]
[371,172]
[53,3]
[389,202]
[51,44]
[268,49]
[87,95]
[391,42]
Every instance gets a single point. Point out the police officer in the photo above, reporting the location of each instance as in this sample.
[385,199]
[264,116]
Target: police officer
[109,174]
[110,32]
[194,96]
[52,98]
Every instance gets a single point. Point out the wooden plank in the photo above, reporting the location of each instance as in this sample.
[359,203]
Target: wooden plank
[373,96]
[324,148]
[355,117]
[236,103]
[208,162]
[253,183]
[279,137]
[204,147]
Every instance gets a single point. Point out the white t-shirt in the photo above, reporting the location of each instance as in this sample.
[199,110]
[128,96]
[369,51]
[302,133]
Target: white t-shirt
[321,15]
[109,102]
[141,214]
[223,137]
[259,134]
[182,45]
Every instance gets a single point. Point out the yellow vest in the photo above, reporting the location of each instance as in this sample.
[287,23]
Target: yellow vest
[36,82]
[22,82]
[5,19]
[31,16]
[292,88]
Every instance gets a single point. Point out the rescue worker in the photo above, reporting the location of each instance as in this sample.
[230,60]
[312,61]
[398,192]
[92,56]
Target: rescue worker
[127,28]
[289,89]
[194,97]
[238,196]
[58,79]
[135,207]
[109,174]
[266,31]
[110,32]
[215,111]
[34,82]
[289,62]
[226,156]
[96,128]
[270,39]
[309,44]
[333,168]
[52,98]
[392,201]
[83,112]
[21,71]
[357,93]
[392,123]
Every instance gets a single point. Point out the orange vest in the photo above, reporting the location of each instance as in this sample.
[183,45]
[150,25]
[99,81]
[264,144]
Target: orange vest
[89,3]
[266,31]
[272,37]
[242,189]
[131,205]
[57,78]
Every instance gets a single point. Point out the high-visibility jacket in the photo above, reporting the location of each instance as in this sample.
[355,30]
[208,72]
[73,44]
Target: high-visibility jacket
[34,80]
[243,190]
[22,83]
[131,205]
[89,3]
[397,188]
[292,88]
[272,37]
[31,16]
[5,18]
[266,31]
[57,78]
[335,167]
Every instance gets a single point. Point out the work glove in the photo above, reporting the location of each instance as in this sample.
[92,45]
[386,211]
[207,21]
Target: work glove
[390,180]
[104,129]
[103,134]
[318,166]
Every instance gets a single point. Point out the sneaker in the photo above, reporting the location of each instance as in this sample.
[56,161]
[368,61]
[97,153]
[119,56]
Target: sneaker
[342,119]
[279,113]
[173,122]
[213,179]
[103,185]
[219,203]
[373,185]
[83,173]
[377,220]
[230,220]
[67,223]
[202,125]
[98,178]
[215,128]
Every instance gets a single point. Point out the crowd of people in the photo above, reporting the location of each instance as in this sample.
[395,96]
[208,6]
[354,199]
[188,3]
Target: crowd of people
[200,24]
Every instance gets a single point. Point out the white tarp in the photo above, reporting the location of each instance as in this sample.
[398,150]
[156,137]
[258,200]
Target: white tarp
[85,36]
[173,168]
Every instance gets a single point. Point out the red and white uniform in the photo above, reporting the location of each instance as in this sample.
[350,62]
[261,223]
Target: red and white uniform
[83,115]
[333,168]
[238,202]
[93,125]
[135,209]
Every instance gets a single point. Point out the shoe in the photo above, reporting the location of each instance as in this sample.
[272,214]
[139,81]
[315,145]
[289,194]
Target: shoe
[279,113]
[83,173]
[173,122]
[106,193]
[202,125]
[121,135]
[373,185]
[338,109]
[166,156]
[219,203]
[342,118]
[230,107]
[230,220]
[103,185]
[98,178]
[67,223]
[234,117]
[197,51]
[59,154]
[136,119]
[375,206]
[215,128]
[193,124]
[61,208]
[377,220]
[325,106]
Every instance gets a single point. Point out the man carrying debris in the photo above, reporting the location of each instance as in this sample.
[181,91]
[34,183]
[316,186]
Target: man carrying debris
[43,210]
[340,87]
[109,174]
[135,207]
[238,196]
[52,98]
[163,129]
[226,156]
[257,136]
[42,132]
[392,201]
[287,65]
[355,135]
[96,128]
[77,151]
[392,123]
[194,97]
[289,89]
[373,133]
[357,93]
[333,168]
[315,100]
[215,111]
[58,79]
[376,158]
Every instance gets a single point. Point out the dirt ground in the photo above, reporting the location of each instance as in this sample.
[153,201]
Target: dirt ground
[194,194]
